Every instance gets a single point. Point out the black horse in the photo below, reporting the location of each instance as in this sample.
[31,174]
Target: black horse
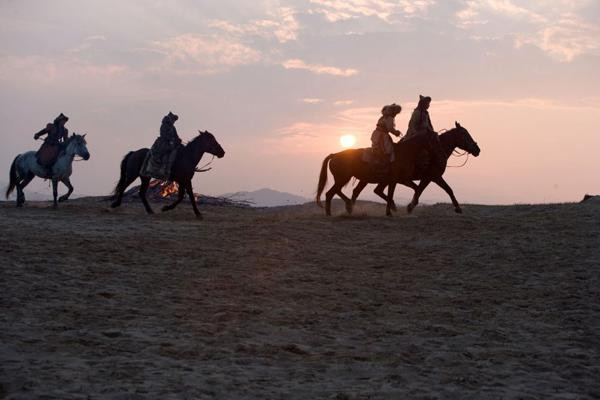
[182,171]
[350,163]
[448,141]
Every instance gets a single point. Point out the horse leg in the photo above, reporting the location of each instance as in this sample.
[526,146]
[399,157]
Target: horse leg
[337,189]
[21,186]
[379,192]
[180,196]
[356,192]
[415,200]
[190,191]
[328,196]
[346,199]
[390,200]
[55,192]
[120,190]
[142,194]
[444,185]
[67,182]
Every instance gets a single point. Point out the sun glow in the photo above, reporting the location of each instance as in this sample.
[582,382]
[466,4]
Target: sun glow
[347,141]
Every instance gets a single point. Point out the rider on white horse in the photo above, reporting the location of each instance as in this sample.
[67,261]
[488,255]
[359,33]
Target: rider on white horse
[50,149]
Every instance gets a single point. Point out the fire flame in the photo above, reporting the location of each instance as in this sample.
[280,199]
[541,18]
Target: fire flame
[168,189]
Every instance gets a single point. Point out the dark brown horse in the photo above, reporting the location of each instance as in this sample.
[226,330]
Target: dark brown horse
[350,163]
[184,167]
[449,141]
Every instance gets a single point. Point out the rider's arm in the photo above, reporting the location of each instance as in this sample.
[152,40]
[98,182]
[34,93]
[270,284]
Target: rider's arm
[391,126]
[41,133]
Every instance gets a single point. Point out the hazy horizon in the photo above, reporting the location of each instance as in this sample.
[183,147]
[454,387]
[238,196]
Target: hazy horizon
[279,82]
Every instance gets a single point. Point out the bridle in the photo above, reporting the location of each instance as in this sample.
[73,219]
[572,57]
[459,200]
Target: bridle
[458,154]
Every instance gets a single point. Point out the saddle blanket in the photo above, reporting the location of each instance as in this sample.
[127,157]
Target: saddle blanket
[159,167]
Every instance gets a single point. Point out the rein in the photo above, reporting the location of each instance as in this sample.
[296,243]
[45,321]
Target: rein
[203,168]
[457,154]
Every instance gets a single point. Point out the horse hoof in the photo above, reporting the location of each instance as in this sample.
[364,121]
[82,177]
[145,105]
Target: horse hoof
[409,208]
[199,216]
[62,199]
[114,205]
[394,208]
[458,210]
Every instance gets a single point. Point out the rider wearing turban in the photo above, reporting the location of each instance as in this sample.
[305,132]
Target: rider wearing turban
[381,142]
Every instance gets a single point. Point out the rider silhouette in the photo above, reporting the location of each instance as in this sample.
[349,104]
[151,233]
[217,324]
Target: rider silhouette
[420,124]
[381,142]
[50,149]
[161,154]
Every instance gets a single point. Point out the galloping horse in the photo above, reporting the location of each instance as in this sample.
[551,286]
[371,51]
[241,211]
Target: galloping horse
[350,163]
[182,172]
[25,167]
[449,141]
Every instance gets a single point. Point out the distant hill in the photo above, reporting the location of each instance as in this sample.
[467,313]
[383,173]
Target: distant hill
[29,195]
[267,198]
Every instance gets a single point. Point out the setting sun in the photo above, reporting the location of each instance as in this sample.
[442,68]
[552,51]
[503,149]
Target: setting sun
[347,141]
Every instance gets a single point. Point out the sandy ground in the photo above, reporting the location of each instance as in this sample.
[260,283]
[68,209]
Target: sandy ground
[498,303]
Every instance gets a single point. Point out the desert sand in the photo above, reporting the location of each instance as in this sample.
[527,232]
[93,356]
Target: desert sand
[502,302]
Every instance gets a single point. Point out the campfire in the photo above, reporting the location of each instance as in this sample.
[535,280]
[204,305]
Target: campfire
[166,192]
[167,189]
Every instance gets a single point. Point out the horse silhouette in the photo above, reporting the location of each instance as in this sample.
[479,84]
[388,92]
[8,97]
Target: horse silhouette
[182,172]
[448,142]
[350,163]
[25,167]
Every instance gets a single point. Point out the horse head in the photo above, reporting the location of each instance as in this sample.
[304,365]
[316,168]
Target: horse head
[210,144]
[77,146]
[465,141]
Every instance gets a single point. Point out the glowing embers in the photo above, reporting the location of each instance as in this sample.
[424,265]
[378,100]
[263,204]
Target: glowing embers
[161,189]
[168,189]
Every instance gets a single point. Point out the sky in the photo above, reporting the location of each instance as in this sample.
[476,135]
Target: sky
[279,82]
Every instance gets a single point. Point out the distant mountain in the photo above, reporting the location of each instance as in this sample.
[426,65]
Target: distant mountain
[267,198]
[30,196]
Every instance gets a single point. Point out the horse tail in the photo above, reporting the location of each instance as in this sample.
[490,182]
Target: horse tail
[13,177]
[322,179]
[122,184]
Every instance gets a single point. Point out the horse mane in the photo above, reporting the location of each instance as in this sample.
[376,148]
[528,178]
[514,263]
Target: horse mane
[410,141]
[193,141]
[448,133]
[73,137]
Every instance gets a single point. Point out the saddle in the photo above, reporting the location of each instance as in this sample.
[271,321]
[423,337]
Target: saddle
[160,165]
[379,165]
[49,152]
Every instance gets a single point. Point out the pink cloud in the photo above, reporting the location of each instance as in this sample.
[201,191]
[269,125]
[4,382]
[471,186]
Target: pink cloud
[318,68]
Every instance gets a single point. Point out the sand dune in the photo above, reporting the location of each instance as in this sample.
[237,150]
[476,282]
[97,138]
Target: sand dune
[501,302]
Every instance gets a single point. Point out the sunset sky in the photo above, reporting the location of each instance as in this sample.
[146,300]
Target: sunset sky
[279,82]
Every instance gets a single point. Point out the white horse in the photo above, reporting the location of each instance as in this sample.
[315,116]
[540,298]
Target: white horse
[25,167]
